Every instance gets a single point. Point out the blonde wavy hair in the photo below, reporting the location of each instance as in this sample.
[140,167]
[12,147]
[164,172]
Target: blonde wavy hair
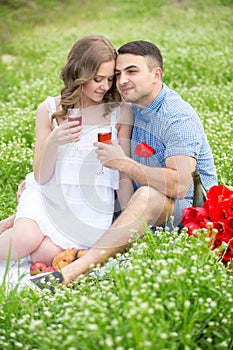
[83,62]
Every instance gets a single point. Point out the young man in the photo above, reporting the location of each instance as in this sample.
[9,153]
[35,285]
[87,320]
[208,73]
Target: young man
[163,181]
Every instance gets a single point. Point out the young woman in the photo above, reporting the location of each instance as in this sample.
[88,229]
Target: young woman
[66,202]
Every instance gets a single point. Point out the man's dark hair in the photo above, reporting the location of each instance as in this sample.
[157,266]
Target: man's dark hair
[142,48]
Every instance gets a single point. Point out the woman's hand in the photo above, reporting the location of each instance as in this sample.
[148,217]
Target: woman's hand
[110,155]
[66,132]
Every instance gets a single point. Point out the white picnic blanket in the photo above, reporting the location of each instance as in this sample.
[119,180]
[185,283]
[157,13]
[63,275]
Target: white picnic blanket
[16,274]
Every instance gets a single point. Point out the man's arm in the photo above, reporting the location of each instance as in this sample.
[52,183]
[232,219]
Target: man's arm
[172,181]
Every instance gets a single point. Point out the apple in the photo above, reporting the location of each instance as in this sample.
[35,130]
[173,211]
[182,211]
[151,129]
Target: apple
[49,269]
[81,252]
[37,267]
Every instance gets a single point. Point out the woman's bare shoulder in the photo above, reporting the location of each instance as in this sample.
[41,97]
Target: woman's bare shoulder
[43,106]
[57,101]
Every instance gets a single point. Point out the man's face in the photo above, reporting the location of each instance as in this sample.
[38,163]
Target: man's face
[134,80]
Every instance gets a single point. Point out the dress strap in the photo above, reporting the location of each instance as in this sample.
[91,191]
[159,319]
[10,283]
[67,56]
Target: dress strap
[51,107]
[115,116]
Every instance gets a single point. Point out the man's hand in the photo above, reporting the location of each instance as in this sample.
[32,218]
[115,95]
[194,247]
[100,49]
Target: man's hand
[110,155]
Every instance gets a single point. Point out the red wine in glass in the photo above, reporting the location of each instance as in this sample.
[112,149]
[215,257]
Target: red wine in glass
[75,119]
[105,136]
[74,114]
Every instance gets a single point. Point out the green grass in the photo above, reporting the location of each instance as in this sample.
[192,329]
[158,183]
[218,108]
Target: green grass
[174,294]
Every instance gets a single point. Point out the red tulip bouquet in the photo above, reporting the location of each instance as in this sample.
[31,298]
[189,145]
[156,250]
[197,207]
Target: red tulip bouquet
[216,217]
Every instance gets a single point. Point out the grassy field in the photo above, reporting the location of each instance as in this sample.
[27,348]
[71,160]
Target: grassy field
[174,293]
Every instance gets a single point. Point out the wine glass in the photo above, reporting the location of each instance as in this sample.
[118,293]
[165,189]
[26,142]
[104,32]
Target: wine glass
[105,136]
[74,114]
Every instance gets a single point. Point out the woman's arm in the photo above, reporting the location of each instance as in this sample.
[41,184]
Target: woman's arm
[45,151]
[48,139]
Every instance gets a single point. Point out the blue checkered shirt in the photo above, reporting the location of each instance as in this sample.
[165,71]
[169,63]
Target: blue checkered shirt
[172,127]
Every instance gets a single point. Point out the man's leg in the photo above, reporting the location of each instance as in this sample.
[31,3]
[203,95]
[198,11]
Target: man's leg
[146,206]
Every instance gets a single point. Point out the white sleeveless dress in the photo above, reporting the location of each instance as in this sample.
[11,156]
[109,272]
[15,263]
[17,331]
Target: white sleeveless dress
[76,206]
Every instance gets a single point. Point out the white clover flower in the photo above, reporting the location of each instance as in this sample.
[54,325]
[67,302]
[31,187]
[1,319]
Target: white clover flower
[48,313]
[171,304]
[224,245]
[213,304]
[150,312]
[194,269]
[180,270]
[159,307]
[118,338]
[20,321]
[163,335]
[177,313]
[18,345]
[174,334]
[92,327]
[156,286]
[144,305]
[194,257]
[109,342]
[187,304]
[164,272]
[147,343]
[224,321]
[35,324]
[115,322]
[159,279]
[84,299]
[223,345]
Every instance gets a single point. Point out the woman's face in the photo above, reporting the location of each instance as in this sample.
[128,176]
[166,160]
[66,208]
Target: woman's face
[94,90]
